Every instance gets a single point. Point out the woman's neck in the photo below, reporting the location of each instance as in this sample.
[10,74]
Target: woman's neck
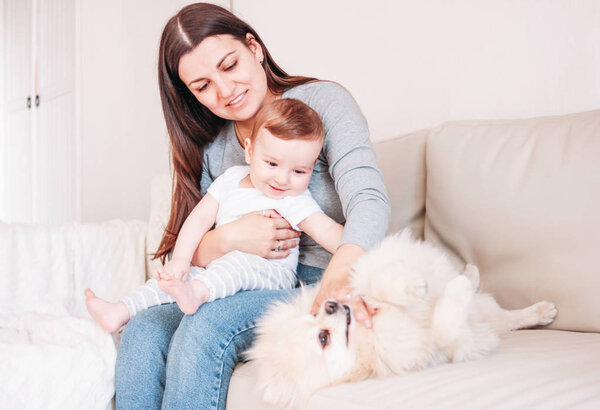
[243,129]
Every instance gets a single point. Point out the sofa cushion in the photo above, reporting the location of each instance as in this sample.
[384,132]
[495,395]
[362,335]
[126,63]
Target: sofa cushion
[521,200]
[531,369]
[402,162]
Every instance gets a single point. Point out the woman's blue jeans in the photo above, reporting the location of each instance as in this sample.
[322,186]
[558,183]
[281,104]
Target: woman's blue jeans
[174,361]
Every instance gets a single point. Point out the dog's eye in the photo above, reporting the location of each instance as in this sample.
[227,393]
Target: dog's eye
[324,338]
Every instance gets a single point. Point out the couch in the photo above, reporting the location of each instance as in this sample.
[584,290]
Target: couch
[521,200]
[518,198]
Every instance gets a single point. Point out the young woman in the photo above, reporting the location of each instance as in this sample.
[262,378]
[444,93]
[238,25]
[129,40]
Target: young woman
[214,75]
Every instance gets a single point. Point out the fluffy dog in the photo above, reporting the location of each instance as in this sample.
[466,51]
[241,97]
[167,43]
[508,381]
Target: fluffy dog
[428,313]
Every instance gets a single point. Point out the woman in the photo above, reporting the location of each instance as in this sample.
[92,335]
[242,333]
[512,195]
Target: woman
[214,75]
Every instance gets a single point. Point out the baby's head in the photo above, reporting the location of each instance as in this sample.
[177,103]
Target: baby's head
[286,140]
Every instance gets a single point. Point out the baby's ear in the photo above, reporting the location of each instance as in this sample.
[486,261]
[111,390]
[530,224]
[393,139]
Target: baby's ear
[248,150]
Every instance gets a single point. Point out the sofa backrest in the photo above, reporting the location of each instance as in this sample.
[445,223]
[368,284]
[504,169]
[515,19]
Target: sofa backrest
[519,198]
[402,162]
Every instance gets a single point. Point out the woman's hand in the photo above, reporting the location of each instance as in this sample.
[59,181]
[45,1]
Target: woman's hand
[262,233]
[336,285]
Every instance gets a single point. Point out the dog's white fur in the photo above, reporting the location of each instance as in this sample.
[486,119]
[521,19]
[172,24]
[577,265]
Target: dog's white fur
[428,313]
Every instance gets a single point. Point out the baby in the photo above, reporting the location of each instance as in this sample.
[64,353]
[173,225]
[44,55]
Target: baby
[281,152]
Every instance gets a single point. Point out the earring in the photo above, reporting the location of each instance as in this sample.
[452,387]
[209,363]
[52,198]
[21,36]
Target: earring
[260,60]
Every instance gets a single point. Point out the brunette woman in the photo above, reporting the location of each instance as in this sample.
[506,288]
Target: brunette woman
[214,74]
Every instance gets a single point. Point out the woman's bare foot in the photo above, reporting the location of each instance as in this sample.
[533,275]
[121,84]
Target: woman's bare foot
[188,295]
[111,316]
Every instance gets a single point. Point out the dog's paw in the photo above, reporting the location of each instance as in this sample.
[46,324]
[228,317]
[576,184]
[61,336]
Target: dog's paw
[546,312]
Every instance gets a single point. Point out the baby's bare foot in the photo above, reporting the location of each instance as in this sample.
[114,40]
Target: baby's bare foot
[188,295]
[111,316]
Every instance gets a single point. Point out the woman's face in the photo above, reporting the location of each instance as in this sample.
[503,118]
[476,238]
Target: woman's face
[226,76]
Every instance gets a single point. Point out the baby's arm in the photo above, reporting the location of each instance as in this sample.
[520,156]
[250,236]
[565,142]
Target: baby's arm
[324,230]
[198,222]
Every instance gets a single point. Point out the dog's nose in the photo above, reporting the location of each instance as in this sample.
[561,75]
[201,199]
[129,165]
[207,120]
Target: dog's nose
[330,307]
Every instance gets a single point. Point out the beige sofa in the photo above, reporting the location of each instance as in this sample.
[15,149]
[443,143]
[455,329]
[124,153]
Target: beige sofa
[521,200]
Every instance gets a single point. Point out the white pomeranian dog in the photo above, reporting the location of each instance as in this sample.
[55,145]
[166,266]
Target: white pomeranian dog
[428,313]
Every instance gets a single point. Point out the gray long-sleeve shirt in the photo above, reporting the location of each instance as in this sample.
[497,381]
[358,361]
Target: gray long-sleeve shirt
[345,183]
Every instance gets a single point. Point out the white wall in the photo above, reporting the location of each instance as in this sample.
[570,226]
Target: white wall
[124,141]
[409,64]
[413,64]
[2,119]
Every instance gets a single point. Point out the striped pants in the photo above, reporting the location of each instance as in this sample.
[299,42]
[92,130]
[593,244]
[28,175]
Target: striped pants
[225,276]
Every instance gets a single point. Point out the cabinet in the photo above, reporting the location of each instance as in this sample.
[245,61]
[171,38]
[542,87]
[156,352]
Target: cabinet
[39,157]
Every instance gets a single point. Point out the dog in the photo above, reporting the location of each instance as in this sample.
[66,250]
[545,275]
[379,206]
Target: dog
[428,313]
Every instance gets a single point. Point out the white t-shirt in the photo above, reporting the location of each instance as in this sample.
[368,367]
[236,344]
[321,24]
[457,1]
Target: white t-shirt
[235,202]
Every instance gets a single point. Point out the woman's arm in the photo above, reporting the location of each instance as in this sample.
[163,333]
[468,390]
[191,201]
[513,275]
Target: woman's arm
[358,183]
[253,233]
[335,282]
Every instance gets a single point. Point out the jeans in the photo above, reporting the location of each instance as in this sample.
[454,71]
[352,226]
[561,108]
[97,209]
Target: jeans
[174,361]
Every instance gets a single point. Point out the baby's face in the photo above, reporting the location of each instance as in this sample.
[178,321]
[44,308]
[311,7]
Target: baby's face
[280,168]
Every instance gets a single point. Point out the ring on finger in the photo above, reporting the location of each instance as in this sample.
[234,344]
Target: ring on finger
[278,247]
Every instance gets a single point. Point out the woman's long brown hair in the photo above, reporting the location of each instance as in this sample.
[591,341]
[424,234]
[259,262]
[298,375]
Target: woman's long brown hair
[190,125]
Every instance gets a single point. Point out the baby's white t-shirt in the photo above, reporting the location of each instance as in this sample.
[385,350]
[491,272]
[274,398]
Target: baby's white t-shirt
[234,202]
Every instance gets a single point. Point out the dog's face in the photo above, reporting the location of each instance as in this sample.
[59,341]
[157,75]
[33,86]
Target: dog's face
[298,353]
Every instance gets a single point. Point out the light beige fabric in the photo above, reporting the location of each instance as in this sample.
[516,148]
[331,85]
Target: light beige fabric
[402,162]
[532,369]
[521,200]
[159,218]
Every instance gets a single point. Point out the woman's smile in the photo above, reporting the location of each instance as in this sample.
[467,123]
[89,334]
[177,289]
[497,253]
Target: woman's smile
[237,100]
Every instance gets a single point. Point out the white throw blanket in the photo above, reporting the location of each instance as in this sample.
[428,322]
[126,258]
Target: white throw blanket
[52,355]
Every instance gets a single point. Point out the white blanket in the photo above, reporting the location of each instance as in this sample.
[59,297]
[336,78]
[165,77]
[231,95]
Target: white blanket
[52,355]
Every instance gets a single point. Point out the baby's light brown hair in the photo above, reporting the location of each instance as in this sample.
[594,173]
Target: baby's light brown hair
[289,119]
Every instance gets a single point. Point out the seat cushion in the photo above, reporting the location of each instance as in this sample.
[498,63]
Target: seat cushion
[520,199]
[531,369]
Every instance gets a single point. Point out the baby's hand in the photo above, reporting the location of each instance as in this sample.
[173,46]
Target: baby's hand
[176,269]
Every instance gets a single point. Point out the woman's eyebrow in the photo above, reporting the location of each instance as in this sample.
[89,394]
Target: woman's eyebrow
[218,65]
